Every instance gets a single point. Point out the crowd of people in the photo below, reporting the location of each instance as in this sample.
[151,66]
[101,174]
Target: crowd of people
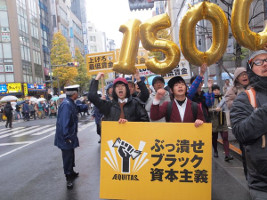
[31,109]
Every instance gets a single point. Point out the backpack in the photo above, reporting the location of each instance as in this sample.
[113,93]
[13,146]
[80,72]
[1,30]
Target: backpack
[251,93]
[7,110]
[169,110]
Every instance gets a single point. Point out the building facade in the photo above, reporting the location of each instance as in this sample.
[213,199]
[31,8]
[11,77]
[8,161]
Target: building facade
[21,64]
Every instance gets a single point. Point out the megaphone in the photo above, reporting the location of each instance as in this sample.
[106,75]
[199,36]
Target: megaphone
[117,143]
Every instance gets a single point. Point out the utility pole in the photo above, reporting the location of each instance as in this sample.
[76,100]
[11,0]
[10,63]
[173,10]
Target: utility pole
[265,12]
[203,48]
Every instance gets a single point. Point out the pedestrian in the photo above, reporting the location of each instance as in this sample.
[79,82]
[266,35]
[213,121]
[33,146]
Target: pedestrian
[123,107]
[66,137]
[53,109]
[17,112]
[1,112]
[226,86]
[249,119]
[26,110]
[8,111]
[98,118]
[143,95]
[240,83]
[157,83]
[32,110]
[180,109]
[196,94]
[41,112]
[219,124]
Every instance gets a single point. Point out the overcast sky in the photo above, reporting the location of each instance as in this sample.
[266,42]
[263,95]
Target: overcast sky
[108,15]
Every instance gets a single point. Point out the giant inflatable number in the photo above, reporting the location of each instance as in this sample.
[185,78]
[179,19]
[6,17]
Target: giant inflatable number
[240,27]
[148,36]
[216,16]
[129,47]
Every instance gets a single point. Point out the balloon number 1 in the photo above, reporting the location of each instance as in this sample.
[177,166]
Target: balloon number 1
[134,30]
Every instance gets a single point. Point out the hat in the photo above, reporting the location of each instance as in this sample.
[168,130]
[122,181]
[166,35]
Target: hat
[123,80]
[238,71]
[72,88]
[215,87]
[254,54]
[158,78]
[174,80]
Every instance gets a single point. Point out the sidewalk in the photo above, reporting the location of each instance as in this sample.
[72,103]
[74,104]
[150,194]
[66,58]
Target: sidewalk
[233,143]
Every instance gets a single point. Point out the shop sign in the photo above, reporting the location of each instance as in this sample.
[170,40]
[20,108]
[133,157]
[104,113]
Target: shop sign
[14,87]
[3,88]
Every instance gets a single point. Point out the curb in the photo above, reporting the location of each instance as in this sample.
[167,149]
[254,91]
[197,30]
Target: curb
[232,147]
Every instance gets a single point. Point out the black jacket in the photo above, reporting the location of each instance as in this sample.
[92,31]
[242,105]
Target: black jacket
[248,127]
[133,110]
[144,94]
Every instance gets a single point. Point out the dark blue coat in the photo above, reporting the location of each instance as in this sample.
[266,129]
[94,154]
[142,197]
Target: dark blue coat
[67,125]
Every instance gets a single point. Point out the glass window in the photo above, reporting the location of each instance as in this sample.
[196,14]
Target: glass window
[3,19]
[92,38]
[10,77]
[2,78]
[1,52]
[7,50]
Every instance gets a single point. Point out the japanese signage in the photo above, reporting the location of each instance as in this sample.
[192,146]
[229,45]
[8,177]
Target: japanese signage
[36,87]
[14,87]
[5,37]
[25,87]
[182,70]
[168,163]
[100,62]
[3,88]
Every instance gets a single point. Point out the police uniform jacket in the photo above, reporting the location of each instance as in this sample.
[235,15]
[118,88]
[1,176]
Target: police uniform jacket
[67,125]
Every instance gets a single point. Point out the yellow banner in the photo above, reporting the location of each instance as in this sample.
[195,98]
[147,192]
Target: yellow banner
[14,87]
[25,86]
[100,62]
[155,161]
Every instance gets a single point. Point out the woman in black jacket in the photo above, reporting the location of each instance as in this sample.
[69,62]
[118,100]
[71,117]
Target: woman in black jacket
[123,107]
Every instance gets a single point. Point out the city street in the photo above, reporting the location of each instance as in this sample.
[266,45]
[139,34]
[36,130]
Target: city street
[31,166]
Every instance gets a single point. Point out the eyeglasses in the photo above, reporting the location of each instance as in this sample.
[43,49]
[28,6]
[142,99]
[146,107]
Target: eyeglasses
[260,62]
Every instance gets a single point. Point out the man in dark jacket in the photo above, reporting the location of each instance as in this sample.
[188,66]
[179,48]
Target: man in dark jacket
[9,114]
[123,106]
[66,132]
[26,110]
[249,125]
[181,106]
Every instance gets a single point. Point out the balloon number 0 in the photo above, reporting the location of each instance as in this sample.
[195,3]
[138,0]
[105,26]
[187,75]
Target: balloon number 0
[134,31]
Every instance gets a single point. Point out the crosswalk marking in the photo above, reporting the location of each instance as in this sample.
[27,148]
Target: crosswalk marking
[32,131]
[15,143]
[15,132]
[10,130]
[37,130]
[45,131]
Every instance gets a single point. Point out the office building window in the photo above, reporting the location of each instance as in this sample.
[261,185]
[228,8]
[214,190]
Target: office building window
[9,78]
[7,50]
[3,19]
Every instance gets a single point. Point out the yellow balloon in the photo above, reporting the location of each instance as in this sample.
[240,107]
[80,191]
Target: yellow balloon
[213,13]
[148,36]
[241,31]
[129,47]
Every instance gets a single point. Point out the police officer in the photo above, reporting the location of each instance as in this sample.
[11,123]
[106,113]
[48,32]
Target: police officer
[66,132]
